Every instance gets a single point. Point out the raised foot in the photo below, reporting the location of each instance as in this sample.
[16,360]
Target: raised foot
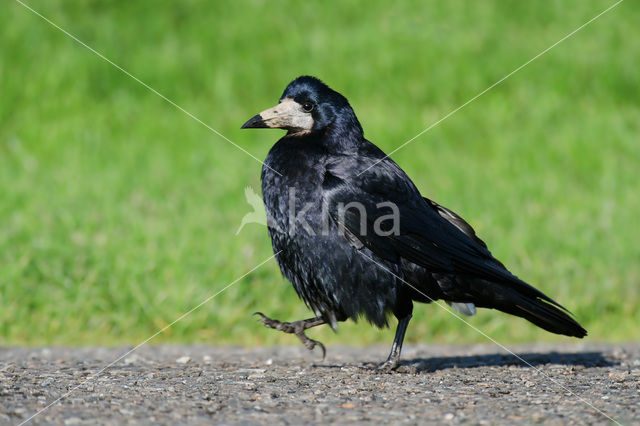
[296,327]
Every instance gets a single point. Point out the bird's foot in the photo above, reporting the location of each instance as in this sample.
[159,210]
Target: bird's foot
[381,367]
[296,327]
[388,366]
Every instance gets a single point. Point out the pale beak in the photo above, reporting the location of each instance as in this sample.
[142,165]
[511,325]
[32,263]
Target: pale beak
[288,115]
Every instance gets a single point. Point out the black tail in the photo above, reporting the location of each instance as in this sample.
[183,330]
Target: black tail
[524,304]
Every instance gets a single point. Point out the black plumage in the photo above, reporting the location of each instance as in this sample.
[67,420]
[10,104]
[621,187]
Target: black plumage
[386,249]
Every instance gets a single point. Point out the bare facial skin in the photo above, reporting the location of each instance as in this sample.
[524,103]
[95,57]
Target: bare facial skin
[288,114]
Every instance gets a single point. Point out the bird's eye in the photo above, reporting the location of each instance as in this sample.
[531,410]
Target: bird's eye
[308,106]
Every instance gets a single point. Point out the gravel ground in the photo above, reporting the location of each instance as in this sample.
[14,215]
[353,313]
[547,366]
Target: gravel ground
[438,384]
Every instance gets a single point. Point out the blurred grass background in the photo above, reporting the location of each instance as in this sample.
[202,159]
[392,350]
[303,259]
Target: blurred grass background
[118,212]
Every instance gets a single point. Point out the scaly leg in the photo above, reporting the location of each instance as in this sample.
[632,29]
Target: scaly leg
[392,361]
[297,328]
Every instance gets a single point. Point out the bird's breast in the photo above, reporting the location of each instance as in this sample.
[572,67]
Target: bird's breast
[292,188]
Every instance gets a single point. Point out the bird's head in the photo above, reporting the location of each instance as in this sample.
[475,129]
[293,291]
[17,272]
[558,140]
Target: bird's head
[307,105]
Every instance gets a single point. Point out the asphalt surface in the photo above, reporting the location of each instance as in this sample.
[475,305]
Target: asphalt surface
[568,384]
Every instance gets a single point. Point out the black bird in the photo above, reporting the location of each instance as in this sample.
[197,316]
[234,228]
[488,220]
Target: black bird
[356,238]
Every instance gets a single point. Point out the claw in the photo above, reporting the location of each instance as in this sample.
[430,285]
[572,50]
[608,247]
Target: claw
[387,366]
[311,344]
[265,320]
[296,328]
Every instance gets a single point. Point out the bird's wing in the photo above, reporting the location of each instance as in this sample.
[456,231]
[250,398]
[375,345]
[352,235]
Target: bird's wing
[455,220]
[427,234]
[458,222]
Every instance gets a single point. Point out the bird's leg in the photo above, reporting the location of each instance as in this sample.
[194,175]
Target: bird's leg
[297,328]
[394,356]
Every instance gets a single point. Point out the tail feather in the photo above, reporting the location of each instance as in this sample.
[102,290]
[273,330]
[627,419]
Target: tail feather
[540,312]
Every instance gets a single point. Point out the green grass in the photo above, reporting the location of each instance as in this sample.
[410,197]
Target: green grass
[118,212]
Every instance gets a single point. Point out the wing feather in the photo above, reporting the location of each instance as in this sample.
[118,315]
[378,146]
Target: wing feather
[429,235]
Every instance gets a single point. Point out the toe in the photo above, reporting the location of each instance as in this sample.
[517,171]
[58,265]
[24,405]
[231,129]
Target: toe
[387,366]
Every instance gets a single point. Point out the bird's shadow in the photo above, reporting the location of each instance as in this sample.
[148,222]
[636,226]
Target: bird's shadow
[529,359]
[525,360]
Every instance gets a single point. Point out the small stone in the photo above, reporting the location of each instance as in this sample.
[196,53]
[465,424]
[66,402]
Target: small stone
[529,384]
[132,359]
[449,416]
[183,360]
